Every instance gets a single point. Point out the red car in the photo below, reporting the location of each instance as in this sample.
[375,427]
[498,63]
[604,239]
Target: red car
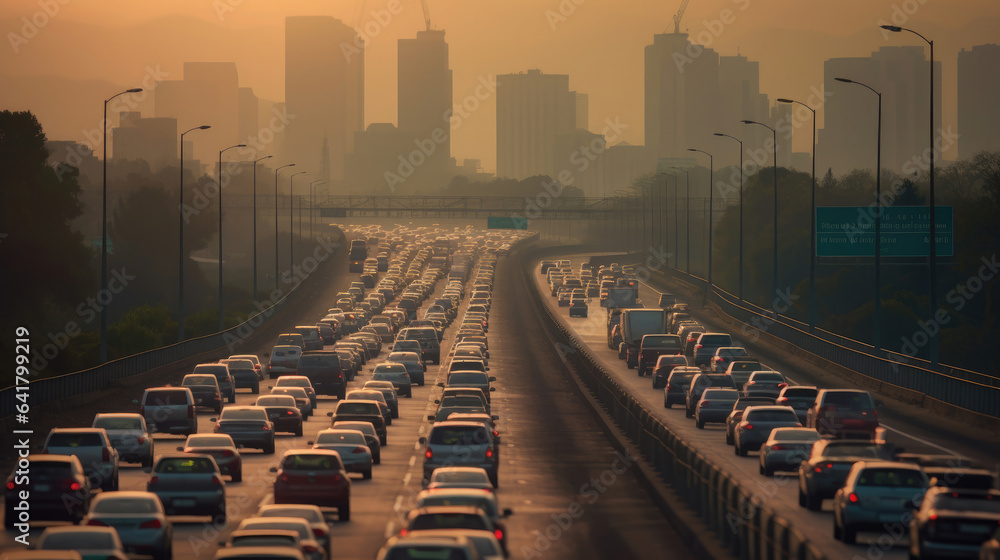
[316,477]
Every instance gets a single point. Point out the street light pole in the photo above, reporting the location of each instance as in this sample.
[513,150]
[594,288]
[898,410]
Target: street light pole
[221,320]
[312,206]
[291,217]
[276,222]
[812,222]
[180,242]
[687,219]
[104,224]
[932,288]
[711,203]
[255,223]
[878,218]
[774,148]
[740,284]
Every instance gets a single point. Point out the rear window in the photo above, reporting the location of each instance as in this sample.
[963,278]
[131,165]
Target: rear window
[864,451]
[309,462]
[199,380]
[185,465]
[283,400]
[771,416]
[854,401]
[51,469]
[166,398]
[767,377]
[715,340]
[986,503]
[126,505]
[118,423]
[74,439]
[348,407]
[682,376]
[411,551]
[78,540]
[899,478]
[468,377]
[357,439]
[795,392]
[459,435]
[220,372]
[448,521]
[661,342]
[243,414]
[721,395]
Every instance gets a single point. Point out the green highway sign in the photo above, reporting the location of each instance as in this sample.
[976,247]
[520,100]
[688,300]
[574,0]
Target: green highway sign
[849,231]
[506,222]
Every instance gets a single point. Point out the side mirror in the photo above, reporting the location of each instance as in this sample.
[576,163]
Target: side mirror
[310,443]
[422,440]
[431,417]
[437,401]
[495,417]
[487,368]
[180,448]
[273,469]
[439,384]
[213,419]
[493,389]
[330,414]
[507,512]
[492,379]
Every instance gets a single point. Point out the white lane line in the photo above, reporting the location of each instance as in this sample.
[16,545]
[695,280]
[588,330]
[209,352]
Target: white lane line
[413,459]
[406,479]
[390,529]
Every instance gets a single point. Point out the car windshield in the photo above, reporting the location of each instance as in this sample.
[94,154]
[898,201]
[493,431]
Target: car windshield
[180,465]
[166,398]
[309,514]
[75,439]
[79,540]
[907,478]
[448,521]
[277,400]
[341,437]
[865,451]
[771,416]
[119,423]
[193,380]
[986,503]
[348,407]
[659,342]
[458,435]
[210,441]
[293,382]
[126,505]
[243,414]
[310,462]
[768,377]
[853,401]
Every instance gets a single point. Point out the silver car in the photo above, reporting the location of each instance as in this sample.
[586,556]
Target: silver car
[138,517]
[129,437]
[785,449]
[310,513]
[247,425]
[93,447]
[877,493]
[189,484]
[757,423]
[351,445]
[397,374]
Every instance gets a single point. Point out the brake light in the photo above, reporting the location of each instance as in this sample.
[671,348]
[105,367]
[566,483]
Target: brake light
[96,523]
[778,447]
[105,455]
[703,403]
[428,453]
[782,385]
[751,382]
[290,412]
[853,497]
[151,524]
[499,534]
[319,533]
[140,440]
[359,449]
[227,453]
[308,548]
[402,532]
[217,480]
[496,433]
[670,387]
[748,427]
[818,469]
[489,453]
[266,428]
[933,517]
[781,400]
[285,478]
[697,346]
[154,480]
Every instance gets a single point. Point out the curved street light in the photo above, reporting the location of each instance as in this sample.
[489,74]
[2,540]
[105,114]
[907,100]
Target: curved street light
[221,322]
[180,241]
[711,203]
[255,222]
[740,284]
[276,222]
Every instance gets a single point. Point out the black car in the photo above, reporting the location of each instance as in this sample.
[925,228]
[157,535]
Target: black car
[58,489]
[324,372]
[698,385]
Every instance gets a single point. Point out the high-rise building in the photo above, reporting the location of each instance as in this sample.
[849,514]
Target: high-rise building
[151,139]
[532,110]
[424,87]
[978,92]
[848,138]
[582,110]
[681,96]
[324,93]
[584,154]
[374,164]
[207,95]
[623,164]
[740,98]
[249,110]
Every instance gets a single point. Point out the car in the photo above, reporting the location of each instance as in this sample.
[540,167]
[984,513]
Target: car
[484,500]
[714,406]
[414,366]
[324,372]
[689,334]
[292,339]
[327,332]
[311,338]
[756,425]
[189,484]
[431,518]
[248,426]
[724,355]
[283,359]
[455,443]
[301,397]
[310,513]
[666,300]
[764,383]
[253,539]
[244,375]
[350,363]
[297,526]
[476,379]
[221,373]
[954,524]
[375,395]
[798,397]
[351,445]
[221,448]
[205,390]
[785,449]
[698,384]
[876,492]
[371,436]
[843,413]
[139,520]
[395,373]
[652,346]
[452,547]
[741,370]
[56,490]
[128,435]
[253,359]
[460,477]
[301,381]
[313,476]
[408,346]
[736,414]
[428,339]
[828,464]
[93,447]
[677,384]
[707,344]
[465,391]
[169,410]
[388,391]
[363,411]
[283,412]
[664,367]
[90,542]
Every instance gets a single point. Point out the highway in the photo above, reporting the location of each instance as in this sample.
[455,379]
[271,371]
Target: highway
[554,453]
[780,492]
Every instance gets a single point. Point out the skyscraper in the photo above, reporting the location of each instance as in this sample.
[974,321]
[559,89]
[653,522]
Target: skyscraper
[207,95]
[740,98]
[324,93]
[151,139]
[978,92]
[425,100]
[532,110]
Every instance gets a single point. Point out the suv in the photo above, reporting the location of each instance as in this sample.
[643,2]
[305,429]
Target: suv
[429,344]
[655,345]
[460,444]
[843,413]
[324,372]
[310,337]
[698,385]
[292,339]
[221,373]
[92,447]
[169,410]
[707,344]
[205,390]
[58,488]
[284,359]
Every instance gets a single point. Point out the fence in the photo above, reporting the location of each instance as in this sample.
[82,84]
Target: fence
[737,515]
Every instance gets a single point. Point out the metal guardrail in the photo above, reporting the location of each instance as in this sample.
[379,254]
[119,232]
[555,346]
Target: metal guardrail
[734,513]
[966,389]
[97,378]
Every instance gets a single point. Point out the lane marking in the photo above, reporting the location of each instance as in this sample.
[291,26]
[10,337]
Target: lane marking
[413,459]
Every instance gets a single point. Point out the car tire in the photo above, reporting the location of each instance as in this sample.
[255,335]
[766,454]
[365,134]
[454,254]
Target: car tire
[382,441]
[687,413]
[218,409]
[342,394]
[802,498]
[813,503]
[298,431]
[729,439]
[220,515]
[256,389]
[238,475]
[9,518]
[700,424]
[367,474]
[642,371]
[377,459]
[232,399]
[269,448]
[344,512]
[740,451]
[848,534]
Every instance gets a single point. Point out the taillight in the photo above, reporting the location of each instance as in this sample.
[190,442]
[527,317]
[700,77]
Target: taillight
[853,497]
[285,478]
[670,387]
[402,532]
[227,453]
[496,433]
[782,385]
[290,412]
[499,534]
[336,479]
[151,524]
[778,447]
[217,428]
[489,453]
[105,455]
[319,533]
[748,427]
[154,480]
[703,403]
[428,453]
[140,440]
[265,427]
[697,346]
[359,449]
[781,400]
[11,485]
[751,383]
[217,480]
[96,523]
[308,548]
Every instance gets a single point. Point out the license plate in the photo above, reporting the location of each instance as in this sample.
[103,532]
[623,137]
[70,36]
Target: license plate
[184,503]
[974,528]
[42,487]
[889,517]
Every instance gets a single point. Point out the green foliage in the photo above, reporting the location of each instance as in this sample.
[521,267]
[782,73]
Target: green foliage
[141,328]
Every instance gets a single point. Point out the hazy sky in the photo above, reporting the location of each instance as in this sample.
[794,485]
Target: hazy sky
[69,59]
